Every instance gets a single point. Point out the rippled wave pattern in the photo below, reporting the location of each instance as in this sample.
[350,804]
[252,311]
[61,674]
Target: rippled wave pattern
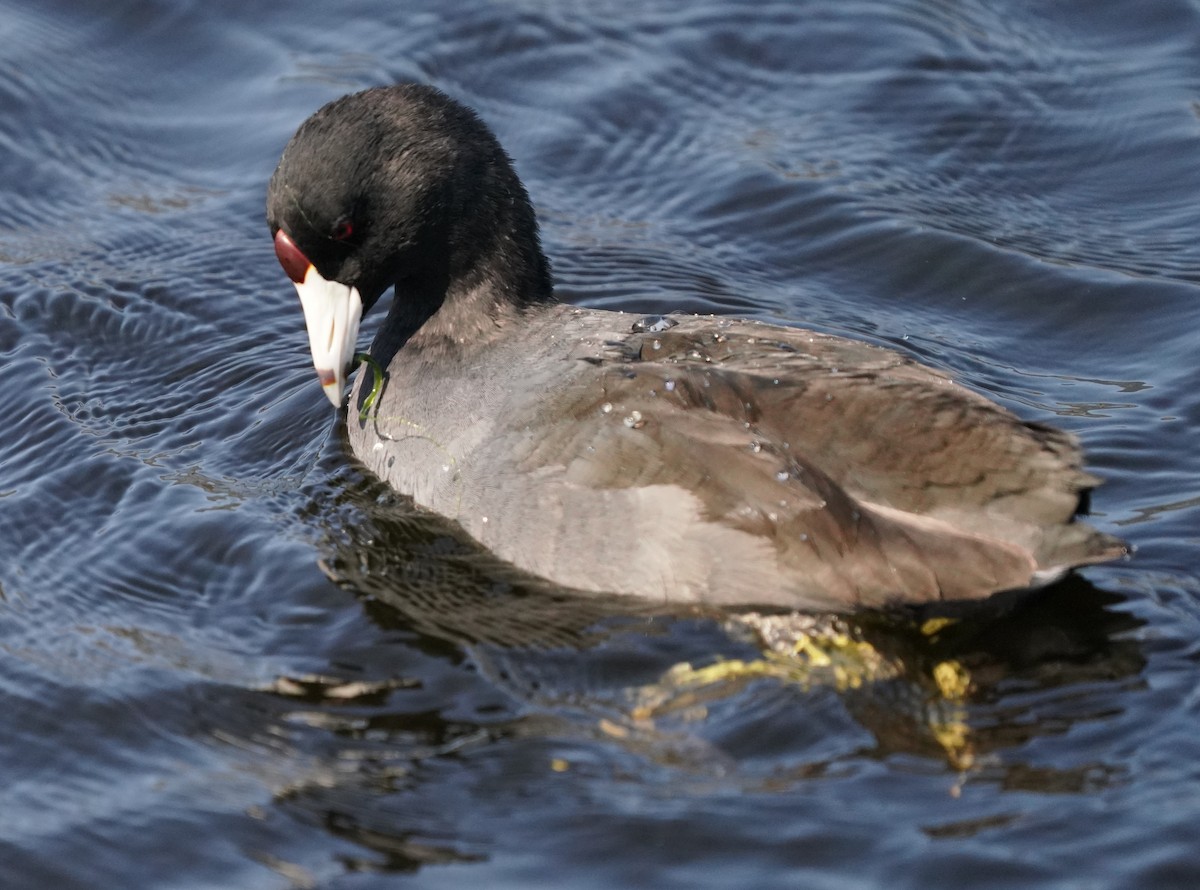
[221,660]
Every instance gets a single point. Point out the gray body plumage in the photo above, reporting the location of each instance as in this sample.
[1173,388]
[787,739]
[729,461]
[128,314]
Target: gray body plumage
[725,462]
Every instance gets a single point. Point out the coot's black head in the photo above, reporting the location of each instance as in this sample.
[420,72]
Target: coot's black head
[399,186]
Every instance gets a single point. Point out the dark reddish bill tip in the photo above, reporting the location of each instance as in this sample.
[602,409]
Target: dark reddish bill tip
[294,263]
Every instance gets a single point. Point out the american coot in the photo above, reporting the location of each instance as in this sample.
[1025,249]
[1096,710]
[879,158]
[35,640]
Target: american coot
[683,459]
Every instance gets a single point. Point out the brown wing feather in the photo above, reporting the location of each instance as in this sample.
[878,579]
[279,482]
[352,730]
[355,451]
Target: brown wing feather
[870,478]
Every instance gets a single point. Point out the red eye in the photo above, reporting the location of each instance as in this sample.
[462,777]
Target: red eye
[342,230]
